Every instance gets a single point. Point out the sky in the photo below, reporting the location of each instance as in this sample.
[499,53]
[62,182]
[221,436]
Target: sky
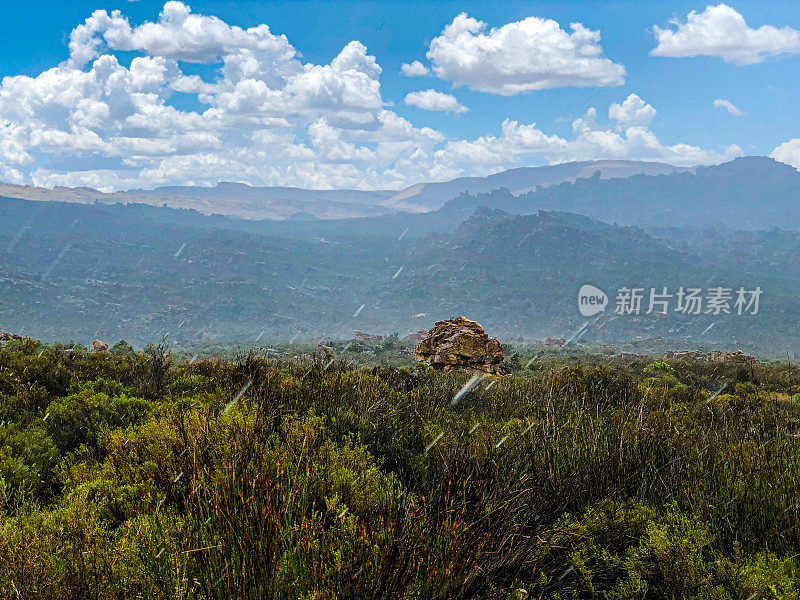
[382,95]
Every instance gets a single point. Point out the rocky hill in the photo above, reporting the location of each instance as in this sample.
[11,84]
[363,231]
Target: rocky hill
[424,197]
[122,271]
[258,202]
[746,193]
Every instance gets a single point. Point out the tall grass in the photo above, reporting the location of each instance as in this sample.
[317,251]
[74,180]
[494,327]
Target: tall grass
[282,479]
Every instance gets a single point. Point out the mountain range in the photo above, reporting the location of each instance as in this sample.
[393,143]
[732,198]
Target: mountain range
[746,193]
[424,197]
[93,267]
[72,271]
[251,202]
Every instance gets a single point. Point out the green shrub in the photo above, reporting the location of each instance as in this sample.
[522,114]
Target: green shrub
[79,418]
[28,458]
[583,477]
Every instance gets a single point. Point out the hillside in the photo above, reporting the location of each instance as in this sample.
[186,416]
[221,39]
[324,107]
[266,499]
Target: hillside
[424,197]
[522,273]
[746,193]
[111,271]
[257,202]
[79,272]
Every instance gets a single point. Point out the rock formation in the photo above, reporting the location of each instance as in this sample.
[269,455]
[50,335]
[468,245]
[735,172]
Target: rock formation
[460,343]
[98,346]
[6,337]
[679,354]
[369,338]
[552,342]
[730,357]
[713,356]
[416,337]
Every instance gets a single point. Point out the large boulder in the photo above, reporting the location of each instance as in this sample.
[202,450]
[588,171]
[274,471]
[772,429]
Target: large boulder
[460,343]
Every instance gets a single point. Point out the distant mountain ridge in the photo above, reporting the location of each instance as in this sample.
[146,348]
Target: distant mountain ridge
[243,191]
[72,271]
[746,193]
[423,197]
[254,202]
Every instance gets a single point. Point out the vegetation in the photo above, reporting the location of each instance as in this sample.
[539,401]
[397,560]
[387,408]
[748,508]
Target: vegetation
[136,475]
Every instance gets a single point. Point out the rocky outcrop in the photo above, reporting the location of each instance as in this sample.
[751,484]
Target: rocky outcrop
[98,346]
[730,357]
[552,342]
[679,354]
[368,338]
[460,343]
[416,337]
[718,356]
[6,337]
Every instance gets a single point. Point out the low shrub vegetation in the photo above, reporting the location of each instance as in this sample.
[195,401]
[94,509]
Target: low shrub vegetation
[136,475]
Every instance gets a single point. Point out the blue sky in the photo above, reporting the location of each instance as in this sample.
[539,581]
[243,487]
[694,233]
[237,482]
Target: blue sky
[362,129]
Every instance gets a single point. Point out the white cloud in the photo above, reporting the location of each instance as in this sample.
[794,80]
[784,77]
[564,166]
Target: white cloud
[721,31]
[179,35]
[723,104]
[520,144]
[415,69]
[266,117]
[433,100]
[532,54]
[632,111]
[788,152]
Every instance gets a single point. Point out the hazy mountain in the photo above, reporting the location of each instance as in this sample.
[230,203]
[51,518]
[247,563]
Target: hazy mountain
[243,191]
[229,199]
[73,271]
[422,197]
[746,193]
[430,196]
[252,202]
[522,273]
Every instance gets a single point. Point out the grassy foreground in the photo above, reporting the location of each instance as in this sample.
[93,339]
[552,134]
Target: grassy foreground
[128,475]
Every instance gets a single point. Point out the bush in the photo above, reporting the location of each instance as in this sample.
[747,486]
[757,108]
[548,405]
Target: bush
[79,418]
[27,461]
[580,478]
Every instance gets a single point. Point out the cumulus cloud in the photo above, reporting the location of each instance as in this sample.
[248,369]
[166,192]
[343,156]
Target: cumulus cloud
[723,104]
[788,152]
[532,54]
[433,100]
[632,111]
[178,34]
[721,31]
[265,116]
[520,143]
[414,69]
